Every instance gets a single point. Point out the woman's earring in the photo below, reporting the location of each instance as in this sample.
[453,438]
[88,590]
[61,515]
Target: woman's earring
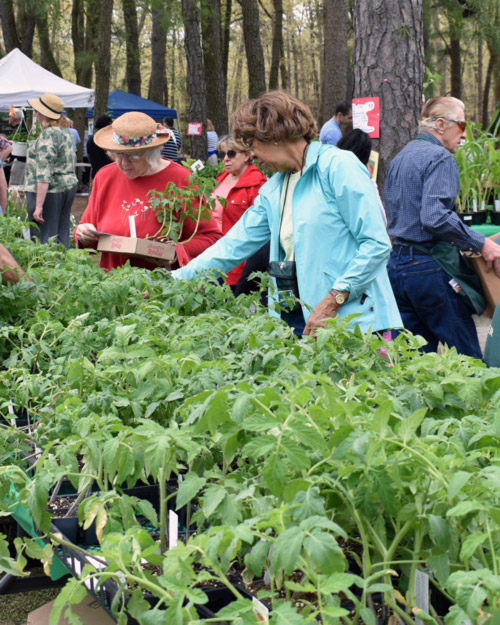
[275,143]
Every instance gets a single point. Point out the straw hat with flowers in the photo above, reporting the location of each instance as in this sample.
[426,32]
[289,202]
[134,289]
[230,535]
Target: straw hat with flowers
[130,131]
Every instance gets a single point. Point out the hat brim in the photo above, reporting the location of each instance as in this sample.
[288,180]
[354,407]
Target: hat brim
[104,139]
[41,108]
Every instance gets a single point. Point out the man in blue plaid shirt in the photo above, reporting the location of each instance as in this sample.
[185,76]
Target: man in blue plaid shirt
[421,187]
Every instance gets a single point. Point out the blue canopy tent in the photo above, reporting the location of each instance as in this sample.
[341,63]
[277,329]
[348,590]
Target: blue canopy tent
[120,102]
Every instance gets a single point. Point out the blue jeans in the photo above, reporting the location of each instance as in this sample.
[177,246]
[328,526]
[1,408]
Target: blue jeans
[428,304]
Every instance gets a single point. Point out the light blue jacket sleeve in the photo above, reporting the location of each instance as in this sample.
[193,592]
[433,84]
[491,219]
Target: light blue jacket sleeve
[358,207]
[245,238]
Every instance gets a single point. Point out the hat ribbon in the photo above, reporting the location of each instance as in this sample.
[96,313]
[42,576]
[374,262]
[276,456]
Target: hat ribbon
[48,107]
[133,141]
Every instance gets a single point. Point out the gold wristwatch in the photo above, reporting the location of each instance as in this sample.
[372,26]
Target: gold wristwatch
[340,298]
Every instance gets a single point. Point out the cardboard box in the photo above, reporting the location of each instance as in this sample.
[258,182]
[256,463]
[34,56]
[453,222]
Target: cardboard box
[489,280]
[145,248]
[89,610]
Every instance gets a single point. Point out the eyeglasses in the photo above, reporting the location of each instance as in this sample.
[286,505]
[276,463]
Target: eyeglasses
[461,125]
[127,157]
[229,154]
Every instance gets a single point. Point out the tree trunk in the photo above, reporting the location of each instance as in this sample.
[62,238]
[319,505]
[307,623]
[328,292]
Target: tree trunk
[237,69]
[456,67]
[388,62]
[336,55]
[226,36]
[213,62]
[196,77]
[158,78]
[47,59]
[494,61]
[9,29]
[103,60]
[479,78]
[277,44]
[132,45]
[253,48]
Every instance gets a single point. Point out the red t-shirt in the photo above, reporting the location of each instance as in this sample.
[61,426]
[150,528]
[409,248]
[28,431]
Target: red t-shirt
[115,197]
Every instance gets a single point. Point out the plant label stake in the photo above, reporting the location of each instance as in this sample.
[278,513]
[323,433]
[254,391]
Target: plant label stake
[260,610]
[421,593]
[133,231]
[173,529]
[497,205]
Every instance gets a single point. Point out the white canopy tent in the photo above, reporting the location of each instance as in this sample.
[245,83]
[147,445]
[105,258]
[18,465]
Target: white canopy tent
[21,78]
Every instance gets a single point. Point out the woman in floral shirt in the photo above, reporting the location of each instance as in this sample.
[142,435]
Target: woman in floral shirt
[50,181]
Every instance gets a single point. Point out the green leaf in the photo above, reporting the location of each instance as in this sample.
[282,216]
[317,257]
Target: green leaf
[471,543]
[324,552]
[457,482]
[440,566]
[367,616]
[287,548]
[336,582]
[256,559]
[464,507]
[285,614]
[409,426]
[189,488]
[423,616]
[235,608]
[439,531]
[259,446]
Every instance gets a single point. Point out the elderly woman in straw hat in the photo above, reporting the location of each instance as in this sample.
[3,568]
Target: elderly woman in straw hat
[50,181]
[122,188]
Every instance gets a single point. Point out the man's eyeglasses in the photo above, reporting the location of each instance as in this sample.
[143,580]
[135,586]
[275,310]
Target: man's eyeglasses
[127,157]
[461,125]
[229,154]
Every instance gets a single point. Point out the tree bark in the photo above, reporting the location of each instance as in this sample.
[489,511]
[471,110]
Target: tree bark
[336,55]
[226,36]
[9,28]
[47,59]
[157,89]
[133,71]
[388,62]
[103,60]
[277,44]
[253,48]
[456,67]
[213,62]
[196,77]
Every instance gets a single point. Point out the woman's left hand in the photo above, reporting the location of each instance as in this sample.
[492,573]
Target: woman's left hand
[326,309]
[37,215]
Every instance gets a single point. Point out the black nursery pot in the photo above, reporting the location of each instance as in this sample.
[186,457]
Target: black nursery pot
[67,526]
[473,219]
[495,218]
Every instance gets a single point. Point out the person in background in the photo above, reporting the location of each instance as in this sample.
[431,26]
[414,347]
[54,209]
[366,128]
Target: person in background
[121,190]
[3,190]
[97,156]
[173,148]
[238,187]
[74,133]
[50,182]
[16,116]
[339,124]
[360,144]
[328,243]
[212,140]
[9,268]
[421,187]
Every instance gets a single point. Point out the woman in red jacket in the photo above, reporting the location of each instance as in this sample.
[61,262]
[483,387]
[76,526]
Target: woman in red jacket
[238,187]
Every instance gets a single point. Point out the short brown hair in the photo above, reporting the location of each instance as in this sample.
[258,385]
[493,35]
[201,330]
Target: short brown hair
[274,116]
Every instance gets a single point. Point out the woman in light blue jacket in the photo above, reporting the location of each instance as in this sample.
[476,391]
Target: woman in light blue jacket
[321,216]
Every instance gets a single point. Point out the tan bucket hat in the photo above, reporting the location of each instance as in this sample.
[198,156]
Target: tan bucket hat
[48,104]
[131,131]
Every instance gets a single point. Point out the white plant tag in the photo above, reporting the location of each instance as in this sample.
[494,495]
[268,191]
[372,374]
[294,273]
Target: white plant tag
[421,593]
[474,206]
[497,205]
[11,411]
[133,231]
[197,166]
[483,205]
[26,233]
[260,610]
[173,529]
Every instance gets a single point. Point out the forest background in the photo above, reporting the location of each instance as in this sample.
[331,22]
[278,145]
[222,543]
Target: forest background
[203,57]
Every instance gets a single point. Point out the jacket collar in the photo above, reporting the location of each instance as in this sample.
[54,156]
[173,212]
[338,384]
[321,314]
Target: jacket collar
[249,178]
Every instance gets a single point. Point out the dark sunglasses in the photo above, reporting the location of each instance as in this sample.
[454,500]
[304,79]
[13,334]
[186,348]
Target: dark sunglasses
[229,154]
[461,125]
